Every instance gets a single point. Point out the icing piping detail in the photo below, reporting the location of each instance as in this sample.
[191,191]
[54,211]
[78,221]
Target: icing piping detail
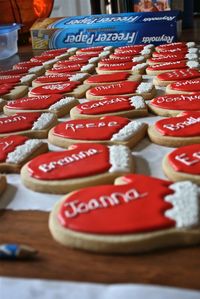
[185,201]
[144,87]
[21,152]
[137,102]
[139,66]
[43,121]
[61,103]
[127,131]
[120,158]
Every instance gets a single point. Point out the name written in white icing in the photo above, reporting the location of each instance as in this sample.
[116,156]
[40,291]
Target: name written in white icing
[12,120]
[76,207]
[188,122]
[103,103]
[47,167]
[101,124]
[177,99]
[183,158]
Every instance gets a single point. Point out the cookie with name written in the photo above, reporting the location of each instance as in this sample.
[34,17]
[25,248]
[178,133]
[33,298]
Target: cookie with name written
[36,63]
[174,104]
[79,68]
[131,67]
[174,46]
[138,48]
[16,150]
[3,183]
[55,103]
[37,70]
[117,60]
[127,88]
[119,106]
[116,77]
[184,86]
[177,131]
[146,52]
[59,78]
[96,49]
[17,79]
[172,57]
[80,60]
[137,214]
[183,164]
[91,55]
[11,91]
[171,65]
[81,165]
[107,130]
[56,52]
[178,50]
[167,78]
[66,63]
[72,88]
[35,124]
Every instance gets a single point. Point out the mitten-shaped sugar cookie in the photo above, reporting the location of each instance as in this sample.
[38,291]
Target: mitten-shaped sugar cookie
[34,124]
[183,164]
[176,131]
[174,104]
[55,103]
[127,88]
[184,86]
[167,78]
[81,165]
[120,106]
[137,214]
[108,130]
[16,150]
[74,89]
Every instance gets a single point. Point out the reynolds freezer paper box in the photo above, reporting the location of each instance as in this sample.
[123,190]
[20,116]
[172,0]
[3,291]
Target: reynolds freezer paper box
[105,29]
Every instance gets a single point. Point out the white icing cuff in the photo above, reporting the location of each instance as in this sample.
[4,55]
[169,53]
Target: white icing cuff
[87,67]
[71,50]
[139,66]
[185,201]
[144,87]
[192,64]
[21,152]
[51,61]
[150,46]
[137,102]
[138,59]
[2,100]
[191,56]
[104,54]
[108,48]
[128,131]
[65,55]
[63,102]
[190,44]
[93,60]
[27,78]
[120,158]
[77,77]
[145,51]
[193,50]
[43,121]
[36,69]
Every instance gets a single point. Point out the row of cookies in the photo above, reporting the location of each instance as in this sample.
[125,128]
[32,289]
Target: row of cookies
[129,236]
[153,213]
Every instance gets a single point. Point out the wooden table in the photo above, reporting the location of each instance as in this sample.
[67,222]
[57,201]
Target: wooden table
[170,267]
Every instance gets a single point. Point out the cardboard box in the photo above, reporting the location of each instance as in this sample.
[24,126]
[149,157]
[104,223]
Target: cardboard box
[107,30]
